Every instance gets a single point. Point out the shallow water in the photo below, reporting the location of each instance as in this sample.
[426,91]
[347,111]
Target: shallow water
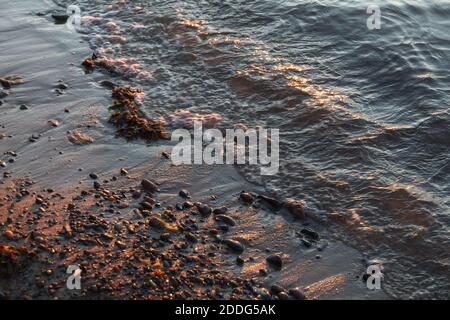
[363,115]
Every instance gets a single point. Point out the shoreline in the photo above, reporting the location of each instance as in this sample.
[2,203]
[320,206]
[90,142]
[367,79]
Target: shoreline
[129,247]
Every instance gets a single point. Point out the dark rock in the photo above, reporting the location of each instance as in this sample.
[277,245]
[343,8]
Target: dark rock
[147,205]
[34,138]
[214,232]
[93,176]
[149,186]
[365,277]
[246,197]
[275,261]
[271,201]
[123,171]
[234,245]
[310,234]
[62,86]
[239,261]
[149,200]
[283,296]
[204,209]
[136,194]
[165,155]
[108,84]
[276,289]
[221,210]
[226,219]
[97,185]
[60,18]
[184,193]
[297,294]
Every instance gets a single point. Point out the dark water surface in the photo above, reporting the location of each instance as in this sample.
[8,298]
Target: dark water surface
[363,115]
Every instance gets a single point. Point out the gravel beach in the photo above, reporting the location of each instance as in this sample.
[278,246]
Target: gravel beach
[75,191]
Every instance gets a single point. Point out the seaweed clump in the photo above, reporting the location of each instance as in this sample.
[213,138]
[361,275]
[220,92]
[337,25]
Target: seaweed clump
[89,63]
[131,123]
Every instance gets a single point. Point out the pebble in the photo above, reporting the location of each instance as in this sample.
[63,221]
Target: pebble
[204,209]
[123,171]
[8,234]
[60,18]
[2,164]
[247,197]
[62,86]
[234,245]
[108,84]
[136,194]
[184,193]
[160,224]
[239,261]
[271,201]
[310,234]
[53,123]
[67,231]
[264,294]
[283,296]
[226,219]
[275,261]
[165,155]
[262,272]
[296,208]
[149,186]
[297,294]
[220,210]
[93,176]
[97,185]
[191,237]
[149,200]
[147,206]
[276,289]
[23,107]
[188,204]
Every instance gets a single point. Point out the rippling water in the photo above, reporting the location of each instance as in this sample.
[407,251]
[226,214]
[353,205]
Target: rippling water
[363,115]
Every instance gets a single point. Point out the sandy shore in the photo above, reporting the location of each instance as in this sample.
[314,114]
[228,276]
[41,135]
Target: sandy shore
[71,193]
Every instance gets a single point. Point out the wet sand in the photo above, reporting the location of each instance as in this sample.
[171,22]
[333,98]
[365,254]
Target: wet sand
[130,241]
